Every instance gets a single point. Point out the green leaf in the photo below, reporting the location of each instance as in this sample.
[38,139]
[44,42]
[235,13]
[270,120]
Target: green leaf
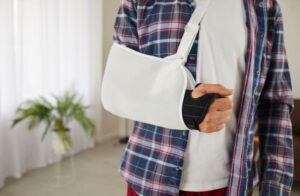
[16,121]
[65,109]
[34,110]
[49,123]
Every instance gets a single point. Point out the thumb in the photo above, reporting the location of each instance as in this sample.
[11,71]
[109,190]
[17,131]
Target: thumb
[203,89]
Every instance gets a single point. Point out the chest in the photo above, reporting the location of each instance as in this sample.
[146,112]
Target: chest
[160,23]
[225,25]
[160,26]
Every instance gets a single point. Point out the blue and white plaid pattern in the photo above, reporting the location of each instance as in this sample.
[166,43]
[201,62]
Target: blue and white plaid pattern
[153,158]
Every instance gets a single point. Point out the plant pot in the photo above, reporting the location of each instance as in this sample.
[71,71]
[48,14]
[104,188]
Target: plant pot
[57,145]
[64,170]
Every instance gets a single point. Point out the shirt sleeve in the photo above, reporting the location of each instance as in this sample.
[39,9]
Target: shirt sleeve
[274,122]
[125,25]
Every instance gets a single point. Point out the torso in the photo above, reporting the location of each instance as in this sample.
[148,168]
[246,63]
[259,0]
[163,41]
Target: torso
[153,158]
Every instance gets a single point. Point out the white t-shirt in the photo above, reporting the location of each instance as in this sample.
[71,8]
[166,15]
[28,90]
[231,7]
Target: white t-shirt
[221,53]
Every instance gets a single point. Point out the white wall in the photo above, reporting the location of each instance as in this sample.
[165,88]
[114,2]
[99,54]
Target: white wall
[108,126]
[111,126]
[291,16]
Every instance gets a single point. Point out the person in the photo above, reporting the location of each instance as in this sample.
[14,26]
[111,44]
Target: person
[240,54]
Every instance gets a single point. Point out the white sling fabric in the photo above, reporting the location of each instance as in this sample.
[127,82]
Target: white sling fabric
[151,89]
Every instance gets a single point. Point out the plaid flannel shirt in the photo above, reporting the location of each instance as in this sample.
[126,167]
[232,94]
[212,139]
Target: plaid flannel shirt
[153,158]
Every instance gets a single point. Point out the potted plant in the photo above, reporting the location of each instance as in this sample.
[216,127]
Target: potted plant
[57,116]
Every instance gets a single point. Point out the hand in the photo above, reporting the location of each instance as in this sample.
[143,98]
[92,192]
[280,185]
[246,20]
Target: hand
[219,111]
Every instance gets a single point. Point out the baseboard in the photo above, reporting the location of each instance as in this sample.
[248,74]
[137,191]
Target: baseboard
[107,137]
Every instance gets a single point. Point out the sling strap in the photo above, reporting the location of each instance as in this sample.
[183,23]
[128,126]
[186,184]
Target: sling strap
[194,110]
[192,28]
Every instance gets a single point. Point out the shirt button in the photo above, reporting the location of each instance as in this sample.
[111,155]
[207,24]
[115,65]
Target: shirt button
[258,72]
[192,58]
[261,4]
[177,168]
[262,35]
[184,133]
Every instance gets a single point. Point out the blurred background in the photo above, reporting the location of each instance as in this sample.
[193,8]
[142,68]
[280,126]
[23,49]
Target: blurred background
[51,46]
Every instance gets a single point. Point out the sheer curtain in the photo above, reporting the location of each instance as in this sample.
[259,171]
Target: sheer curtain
[46,46]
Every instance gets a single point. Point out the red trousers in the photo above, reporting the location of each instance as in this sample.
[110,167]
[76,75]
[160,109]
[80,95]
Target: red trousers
[217,192]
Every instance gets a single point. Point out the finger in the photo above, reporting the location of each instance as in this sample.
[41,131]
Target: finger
[215,116]
[222,120]
[213,126]
[213,88]
[218,127]
[222,104]
[211,129]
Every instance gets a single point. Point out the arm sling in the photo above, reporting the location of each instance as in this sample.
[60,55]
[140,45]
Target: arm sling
[150,89]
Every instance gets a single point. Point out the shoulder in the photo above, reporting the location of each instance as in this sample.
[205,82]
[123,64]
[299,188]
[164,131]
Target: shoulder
[273,16]
[274,10]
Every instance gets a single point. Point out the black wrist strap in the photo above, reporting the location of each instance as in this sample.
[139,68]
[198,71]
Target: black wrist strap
[194,110]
